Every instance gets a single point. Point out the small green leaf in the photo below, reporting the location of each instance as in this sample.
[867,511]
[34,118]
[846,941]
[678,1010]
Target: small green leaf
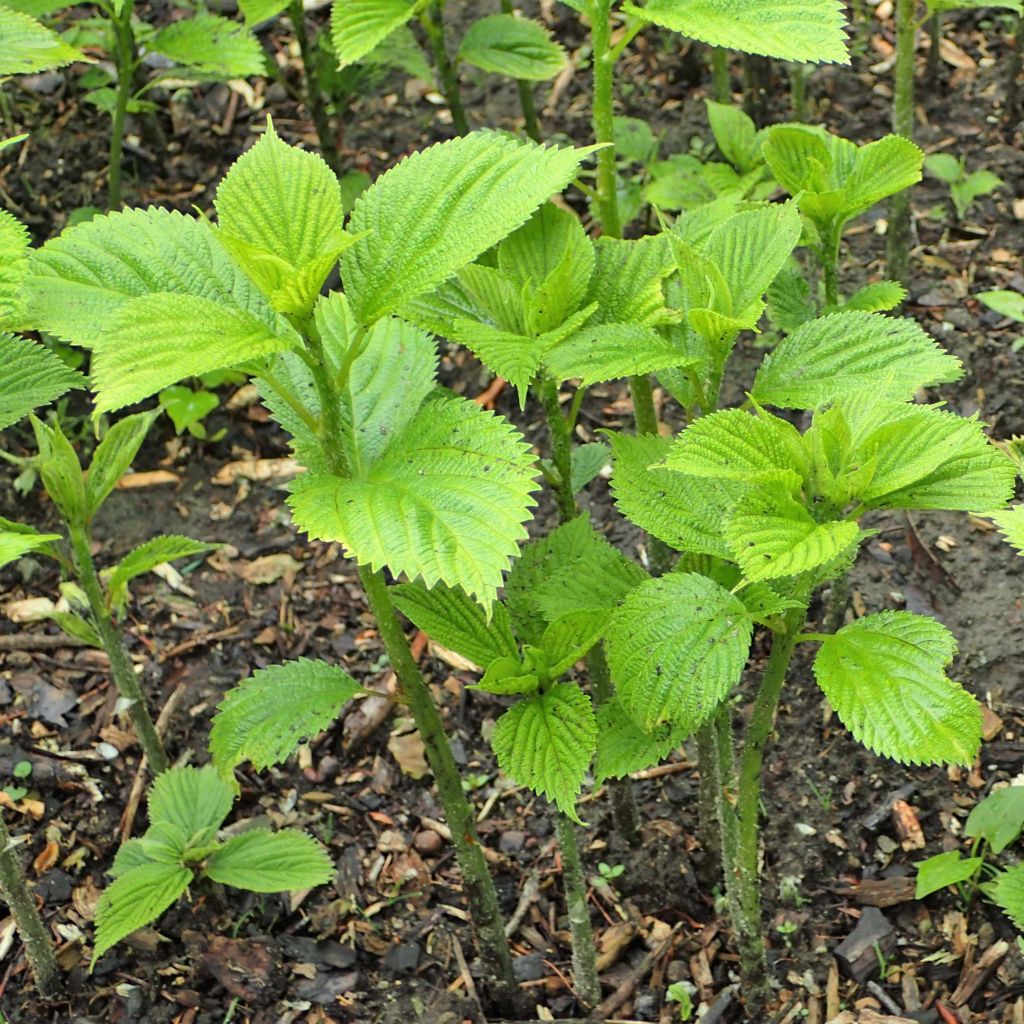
[265,717]
[74,625]
[571,636]
[29,46]
[33,376]
[944,869]
[999,818]
[546,743]
[588,460]
[145,558]
[62,475]
[623,747]
[113,457]
[263,861]
[138,897]
[15,544]
[885,677]
[1011,525]
[1005,303]
[358,26]
[506,677]
[14,250]
[193,799]
[879,297]
[506,44]
[211,47]
[676,647]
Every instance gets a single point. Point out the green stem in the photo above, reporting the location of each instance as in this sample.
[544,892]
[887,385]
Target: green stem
[561,449]
[899,230]
[124,60]
[584,950]
[481,895]
[525,89]
[798,90]
[34,934]
[830,263]
[720,78]
[935,37]
[744,875]
[121,668]
[314,95]
[432,20]
[604,121]
[709,796]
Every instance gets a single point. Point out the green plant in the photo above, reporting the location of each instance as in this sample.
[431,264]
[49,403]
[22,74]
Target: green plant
[405,475]
[187,807]
[681,994]
[29,46]
[995,824]
[964,186]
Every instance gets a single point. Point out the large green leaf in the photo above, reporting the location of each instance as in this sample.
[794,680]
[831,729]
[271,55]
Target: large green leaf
[835,355]
[885,676]
[505,44]
[136,898]
[358,26]
[280,216]
[571,637]
[263,861]
[457,622]
[27,46]
[211,47]
[33,376]
[627,280]
[265,717]
[446,502]
[14,250]
[441,208]
[798,30]
[546,742]
[195,800]
[145,558]
[676,647]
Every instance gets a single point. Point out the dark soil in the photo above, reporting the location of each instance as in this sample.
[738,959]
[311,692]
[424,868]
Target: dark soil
[386,942]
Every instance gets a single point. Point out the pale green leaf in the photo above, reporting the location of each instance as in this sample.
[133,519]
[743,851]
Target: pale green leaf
[942,870]
[1011,525]
[60,470]
[627,280]
[457,622]
[441,208]
[257,11]
[1007,892]
[14,250]
[26,46]
[265,717]
[193,799]
[623,747]
[568,638]
[505,44]
[885,677]
[546,743]
[211,47]
[358,26]
[280,216]
[847,352]
[130,854]
[797,30]
[14,545]
[508,676]
[33,376]
[446,502]
[113,457]
[1005,303]
[879,297]
[735,135]
[882,169]
[77,627]
[998,819]
[145,558]
[676,647]
[263,861]
[136,898]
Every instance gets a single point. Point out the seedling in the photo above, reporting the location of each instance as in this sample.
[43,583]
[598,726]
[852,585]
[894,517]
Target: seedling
[183,845]
[964,186]
[681,993]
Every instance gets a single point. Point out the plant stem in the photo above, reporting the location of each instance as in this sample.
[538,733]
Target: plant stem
[898,234]
[830,263]
[743,874]
[481,895]
[720,78]
[561,449]
[34,933]
[124,61]
[432,20]
[584,950]
[121,669]
[757,85]
[314,95]
[934,37]
[798,90]
[711,784]
[525,89]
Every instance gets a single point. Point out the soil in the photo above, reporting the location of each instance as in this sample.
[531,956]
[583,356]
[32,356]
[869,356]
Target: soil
[389,940]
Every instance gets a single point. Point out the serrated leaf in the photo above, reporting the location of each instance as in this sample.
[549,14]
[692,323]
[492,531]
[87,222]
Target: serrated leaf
[77,627]
[999,818]
[358,26]
[1011,525]
[57,463]
[130,854]
[446,502]
[846,352]
[15,544]
[1007,892]
[797,30]
[257,11]
[885,677]
[211,47]
[627,281]
[789,300]
[507,677]
[685,512]
[588,460]
[878,297]
[134,899]
[263,861]
[441,208]
[505,44]
[942,870]
[113,457]
[193,799]
[29,46]
[546,743]
[33,376]
[676,647]
[623,747]
[145,558]
[773,535]
[265,717]
[882,169]
[280,216]
[735,135]
[609,351]
[570,569]
[456,621]
[569,637]
[14,250]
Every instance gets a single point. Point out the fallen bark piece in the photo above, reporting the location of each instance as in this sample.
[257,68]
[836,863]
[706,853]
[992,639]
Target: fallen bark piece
[881,892]
[907,825]
[979,972]
[857,954]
